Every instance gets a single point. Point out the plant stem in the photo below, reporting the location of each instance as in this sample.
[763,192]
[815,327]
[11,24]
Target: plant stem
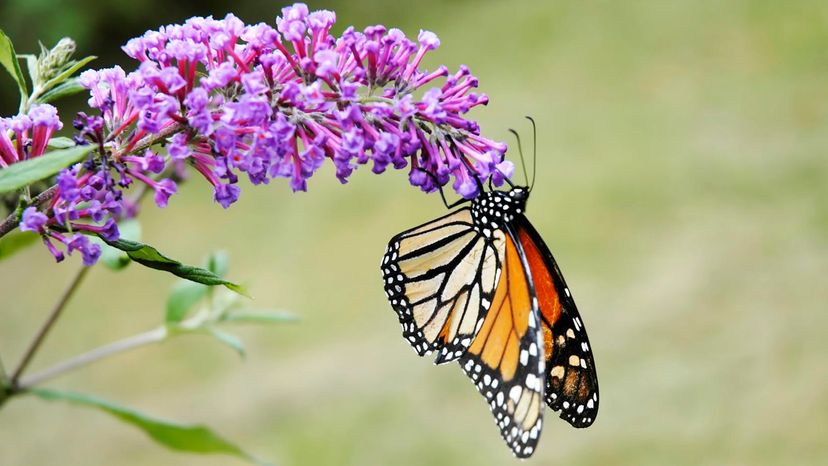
[10,222]
[47,325]
[142,339]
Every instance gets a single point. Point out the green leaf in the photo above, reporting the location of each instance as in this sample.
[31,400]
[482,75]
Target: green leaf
[24,173]
[257,316]
[182,298]
[228,339]
[148,256]
[8,58]
[15,242]
[113,258]
[61,142]
[31,65]
[217,263]
[69,87]
[182,437]
[68,72]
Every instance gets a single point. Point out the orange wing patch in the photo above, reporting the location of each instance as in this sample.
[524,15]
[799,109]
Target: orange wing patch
[571,381]
[499,336]
[504,359]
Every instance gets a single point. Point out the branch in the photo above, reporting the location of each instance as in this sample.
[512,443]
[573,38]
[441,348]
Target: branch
[47,325]
[135,341]
[11,222]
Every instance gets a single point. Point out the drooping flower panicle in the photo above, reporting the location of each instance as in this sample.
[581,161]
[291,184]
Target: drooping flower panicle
[278,102]
[230,99]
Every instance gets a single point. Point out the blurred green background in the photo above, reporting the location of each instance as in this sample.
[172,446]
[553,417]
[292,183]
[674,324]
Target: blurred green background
[682,185]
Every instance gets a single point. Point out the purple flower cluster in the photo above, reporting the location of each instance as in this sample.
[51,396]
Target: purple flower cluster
[89,196]
[230,99]
[31,132]
[277,102]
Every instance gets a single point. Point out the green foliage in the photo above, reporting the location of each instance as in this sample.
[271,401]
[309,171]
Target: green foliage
[228,339]
[60,142]
[71,86]
[183,317]
[114,258]
[259,316]
[184,295]
[8,58]
[15,242]
[182,437]
[66,71]
[150,257]
[22,174]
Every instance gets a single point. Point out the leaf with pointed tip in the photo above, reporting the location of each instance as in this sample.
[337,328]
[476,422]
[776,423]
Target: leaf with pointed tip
[148,256]
[217,263]
[182,437]
[31,66]
[184,295]
[8,58]
[60,142]
[228,339]
[69,87]
[24,173]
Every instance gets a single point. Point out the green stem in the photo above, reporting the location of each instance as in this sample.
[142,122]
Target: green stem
[142,339]
[46,326]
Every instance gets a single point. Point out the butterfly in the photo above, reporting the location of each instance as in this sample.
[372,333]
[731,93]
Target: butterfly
[480,286]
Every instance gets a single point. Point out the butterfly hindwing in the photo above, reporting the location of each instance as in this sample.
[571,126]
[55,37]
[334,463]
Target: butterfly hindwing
[571,379]
[505,361]
[439,278]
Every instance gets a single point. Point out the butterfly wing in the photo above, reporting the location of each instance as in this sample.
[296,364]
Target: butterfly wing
[505,360]
[439,278]
[571,379]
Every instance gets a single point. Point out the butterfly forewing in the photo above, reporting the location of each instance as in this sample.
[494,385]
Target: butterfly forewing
[571,379]
[439,278]
[505,361]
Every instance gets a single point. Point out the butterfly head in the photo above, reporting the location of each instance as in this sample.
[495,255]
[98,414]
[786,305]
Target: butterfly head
[519,195]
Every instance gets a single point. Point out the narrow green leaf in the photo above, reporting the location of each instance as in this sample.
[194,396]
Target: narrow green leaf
[183,437]
[217,263]
[75,66]
[228,339]
[69,87]
[8,58]
[31,66]
[16,241]
[61,142]
[182,298]
[23,173]
[113,258]
[148,256]
[257,316]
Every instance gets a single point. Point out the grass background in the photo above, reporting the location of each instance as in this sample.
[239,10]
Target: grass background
[682,185]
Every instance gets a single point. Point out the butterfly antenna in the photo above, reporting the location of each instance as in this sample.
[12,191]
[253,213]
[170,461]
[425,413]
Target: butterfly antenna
[520,151]
[534,151]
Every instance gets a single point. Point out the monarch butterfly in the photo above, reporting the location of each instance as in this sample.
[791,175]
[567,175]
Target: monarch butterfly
[479,286]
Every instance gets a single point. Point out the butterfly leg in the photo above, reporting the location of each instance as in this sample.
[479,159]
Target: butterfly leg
[442,193]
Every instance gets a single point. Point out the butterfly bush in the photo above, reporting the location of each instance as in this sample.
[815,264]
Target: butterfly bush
[233,100]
